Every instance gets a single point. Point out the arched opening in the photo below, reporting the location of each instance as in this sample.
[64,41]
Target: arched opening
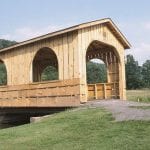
[103,72]
[45,65]
[3,74]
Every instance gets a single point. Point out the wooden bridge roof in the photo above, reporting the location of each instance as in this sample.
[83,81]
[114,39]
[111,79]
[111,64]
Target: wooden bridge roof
[106,21]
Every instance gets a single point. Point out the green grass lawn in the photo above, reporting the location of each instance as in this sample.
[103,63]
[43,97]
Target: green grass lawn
[89,129]
[139,95]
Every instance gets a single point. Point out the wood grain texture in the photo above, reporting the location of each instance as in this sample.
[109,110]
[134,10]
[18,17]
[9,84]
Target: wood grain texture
[72,51]
[46,94]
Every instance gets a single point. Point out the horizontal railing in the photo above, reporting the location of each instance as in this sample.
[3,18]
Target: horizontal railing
[43,94]
[103,91]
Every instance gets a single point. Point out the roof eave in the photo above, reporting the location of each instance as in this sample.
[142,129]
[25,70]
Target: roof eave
[123,40]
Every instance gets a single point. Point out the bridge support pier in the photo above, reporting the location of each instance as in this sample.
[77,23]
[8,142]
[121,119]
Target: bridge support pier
[10,117]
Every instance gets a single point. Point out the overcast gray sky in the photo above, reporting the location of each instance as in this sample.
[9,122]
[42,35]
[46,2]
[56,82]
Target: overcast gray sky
[24,19]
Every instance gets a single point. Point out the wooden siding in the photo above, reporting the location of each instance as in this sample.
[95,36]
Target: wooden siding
[64,93]
[70,48]
[103,91]
[103,34]
[19,60]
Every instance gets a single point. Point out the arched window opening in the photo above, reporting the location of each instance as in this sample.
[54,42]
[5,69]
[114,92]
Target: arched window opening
[3,74]
[96,71]
[45,65]
[102,66]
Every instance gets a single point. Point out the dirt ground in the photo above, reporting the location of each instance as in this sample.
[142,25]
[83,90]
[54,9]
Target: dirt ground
[122,110]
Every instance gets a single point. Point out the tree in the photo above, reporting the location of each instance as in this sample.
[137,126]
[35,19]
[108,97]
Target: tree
[3,74]
[146,73]
[96,72]
[133,73]
[6,43]
[50,73]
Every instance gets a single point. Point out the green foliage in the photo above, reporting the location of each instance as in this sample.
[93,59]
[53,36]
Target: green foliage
[86,129]
[50,73]
[3,74]
[6,43]
[133,73]
[146,74]
[96,72]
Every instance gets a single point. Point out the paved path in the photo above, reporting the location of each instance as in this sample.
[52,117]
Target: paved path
[121,110]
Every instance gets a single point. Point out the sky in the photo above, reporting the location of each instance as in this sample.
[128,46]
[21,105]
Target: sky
[24,19]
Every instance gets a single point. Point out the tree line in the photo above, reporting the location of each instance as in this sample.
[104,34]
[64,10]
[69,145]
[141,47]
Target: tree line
[136,76]
[6,43]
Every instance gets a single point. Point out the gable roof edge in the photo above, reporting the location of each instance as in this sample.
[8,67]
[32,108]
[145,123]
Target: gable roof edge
[122,38]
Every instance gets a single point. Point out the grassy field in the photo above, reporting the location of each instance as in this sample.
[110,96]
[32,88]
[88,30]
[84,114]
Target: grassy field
[138,95]
[89,129]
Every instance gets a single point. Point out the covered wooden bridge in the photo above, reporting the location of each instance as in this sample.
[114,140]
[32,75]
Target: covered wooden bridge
[67,51]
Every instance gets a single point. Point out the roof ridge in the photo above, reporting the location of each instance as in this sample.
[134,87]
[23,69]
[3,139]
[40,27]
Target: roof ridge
[69,29]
